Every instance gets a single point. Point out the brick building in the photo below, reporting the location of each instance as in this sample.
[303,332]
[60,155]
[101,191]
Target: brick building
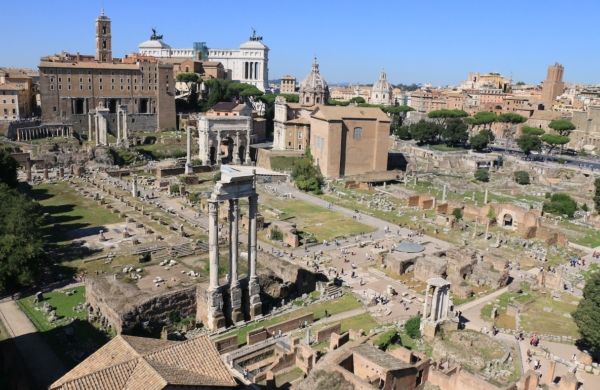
[72,86]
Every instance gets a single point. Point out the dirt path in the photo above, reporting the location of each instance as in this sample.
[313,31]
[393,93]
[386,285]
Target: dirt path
[42,363]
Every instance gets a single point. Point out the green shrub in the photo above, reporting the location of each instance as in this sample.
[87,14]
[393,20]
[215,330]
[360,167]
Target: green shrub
[457,213]
[560,204]
[522,177]
[276,234]
[386,339]
[413,327]
[482,175]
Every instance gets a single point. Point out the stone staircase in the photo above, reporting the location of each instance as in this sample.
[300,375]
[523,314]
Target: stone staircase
[331,291]
[182,250]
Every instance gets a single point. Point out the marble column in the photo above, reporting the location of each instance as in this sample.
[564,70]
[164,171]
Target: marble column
[424,316]
[235,292]
[118,127]
[444,193]
[218,149]
[435,304]
[253,286]
[215,316]
[485,197]
[188,162]
[248,160]
[96,123]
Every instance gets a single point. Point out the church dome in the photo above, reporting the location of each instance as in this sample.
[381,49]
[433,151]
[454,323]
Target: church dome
[314,82]
[382,85]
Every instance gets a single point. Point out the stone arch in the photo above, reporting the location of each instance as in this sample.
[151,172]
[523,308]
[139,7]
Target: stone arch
[507,220]
[229,144]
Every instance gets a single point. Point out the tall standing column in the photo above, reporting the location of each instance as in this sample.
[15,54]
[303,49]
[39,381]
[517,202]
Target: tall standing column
[188,162]
[118,127]
[444,193]
[96,127]
[215,316]
[236,148]
[235,292]
[213,243]
[253,286]
[248,160]
[424,316]
[435,304]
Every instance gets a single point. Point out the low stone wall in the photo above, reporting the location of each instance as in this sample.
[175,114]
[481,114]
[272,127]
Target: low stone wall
[324,334]
[174,171]
[257,335]
[291,324]
[226,344]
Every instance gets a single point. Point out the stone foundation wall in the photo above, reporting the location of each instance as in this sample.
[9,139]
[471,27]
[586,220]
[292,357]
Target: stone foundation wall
[291,324]
[325,333]
[256,336]
[227,344]
[161,309]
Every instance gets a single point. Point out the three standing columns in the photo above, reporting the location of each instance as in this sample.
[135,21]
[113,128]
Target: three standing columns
[216,315]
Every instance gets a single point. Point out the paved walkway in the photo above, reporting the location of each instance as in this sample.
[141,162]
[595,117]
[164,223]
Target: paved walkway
[42,363]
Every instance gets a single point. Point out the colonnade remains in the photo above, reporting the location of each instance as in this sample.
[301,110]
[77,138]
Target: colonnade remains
[98,125]
[436,312]
[44,131]
[233,186]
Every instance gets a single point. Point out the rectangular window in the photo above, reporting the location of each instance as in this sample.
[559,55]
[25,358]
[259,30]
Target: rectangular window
[357,133]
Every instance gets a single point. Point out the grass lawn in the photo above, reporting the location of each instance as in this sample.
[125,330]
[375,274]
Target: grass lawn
[72,341]
[324,224]
[340,305]
[586,236]
[362,321]
[69,211]
[535,319]
[283,163]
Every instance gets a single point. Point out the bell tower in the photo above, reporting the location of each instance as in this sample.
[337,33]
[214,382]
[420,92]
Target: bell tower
[103,39]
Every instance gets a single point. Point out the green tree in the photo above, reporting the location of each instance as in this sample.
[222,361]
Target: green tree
[481,140]
[529,143]
[510,119]
[587,315]
[442,116]
[21,240]
[522,177]
[482,175]
[402,132]
[425,132]
[455,132]
[8,169]
[188,78]
[562,126]
[413,327]
[482,118]
[397,115]
[528,130]
[597,194]
[560,204]
[357,100]
[554,140]
[306,175]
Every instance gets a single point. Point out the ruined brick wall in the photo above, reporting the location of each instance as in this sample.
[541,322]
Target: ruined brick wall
[291,324]
[325,333]
[457,379]
[226,344]
[257,335]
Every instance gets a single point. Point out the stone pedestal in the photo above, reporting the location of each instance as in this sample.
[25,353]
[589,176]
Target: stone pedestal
[216,319]
[255,307]
[236,304]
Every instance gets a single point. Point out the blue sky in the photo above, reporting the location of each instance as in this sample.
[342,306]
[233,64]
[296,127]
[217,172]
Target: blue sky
[425,41]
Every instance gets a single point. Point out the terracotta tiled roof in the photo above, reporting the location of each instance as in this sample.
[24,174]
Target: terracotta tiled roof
[349,112]
[139,363]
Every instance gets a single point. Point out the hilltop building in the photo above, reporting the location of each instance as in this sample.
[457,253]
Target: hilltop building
[138,90]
